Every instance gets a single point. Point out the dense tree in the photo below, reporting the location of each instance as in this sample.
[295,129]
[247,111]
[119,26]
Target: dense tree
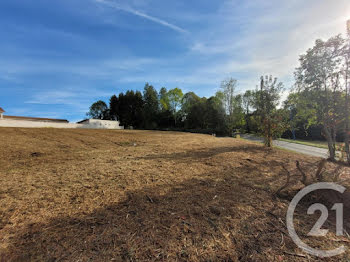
[113,107]
[232,105]
[166,109]
[297,121]
[151,107]
[228,88]
[164,99]
[202,113]
[247,104]
[237,119]
[190,104]
[270,119]
[98,110]
[215,115]
[320,76]
[188,100]
[174,97]
[128,108]
[195,117]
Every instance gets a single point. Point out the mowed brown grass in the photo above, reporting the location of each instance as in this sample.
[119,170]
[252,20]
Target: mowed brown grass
[117,195]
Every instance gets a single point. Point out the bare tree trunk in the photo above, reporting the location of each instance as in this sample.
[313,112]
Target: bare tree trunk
[327,123]
[347,149]
[269,135]
[247,126]
[330,142]
[265,123]
[347,86]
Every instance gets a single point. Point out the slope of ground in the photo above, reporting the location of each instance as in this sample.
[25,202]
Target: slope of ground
[117,195]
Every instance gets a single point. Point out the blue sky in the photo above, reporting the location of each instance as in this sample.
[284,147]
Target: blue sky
[57,57]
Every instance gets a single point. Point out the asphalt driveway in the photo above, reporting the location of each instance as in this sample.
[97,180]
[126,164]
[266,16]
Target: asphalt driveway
[308,150]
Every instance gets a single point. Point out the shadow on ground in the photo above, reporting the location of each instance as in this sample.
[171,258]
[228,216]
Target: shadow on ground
[207,153]
[216,218]
[196,220]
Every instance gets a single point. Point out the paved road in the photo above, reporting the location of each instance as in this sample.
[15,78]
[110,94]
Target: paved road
[308,150]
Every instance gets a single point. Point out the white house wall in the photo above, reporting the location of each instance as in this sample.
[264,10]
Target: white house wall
[104,124]
[37,124]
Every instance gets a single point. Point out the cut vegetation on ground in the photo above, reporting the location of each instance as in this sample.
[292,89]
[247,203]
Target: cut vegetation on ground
[88,195]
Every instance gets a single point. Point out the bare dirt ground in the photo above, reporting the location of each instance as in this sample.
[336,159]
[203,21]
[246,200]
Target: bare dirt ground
[94,195]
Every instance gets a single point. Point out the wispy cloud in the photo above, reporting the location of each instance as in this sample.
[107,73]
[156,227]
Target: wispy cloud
[269,37]
[67,102]
[68,96]
[130,10]
[53,97]
[104,69]
[229,38]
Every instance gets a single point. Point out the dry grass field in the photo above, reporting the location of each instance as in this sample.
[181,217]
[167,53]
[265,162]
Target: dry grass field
[115,195]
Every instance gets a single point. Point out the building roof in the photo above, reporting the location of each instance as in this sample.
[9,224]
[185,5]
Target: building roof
[83,121]
[36,119]
[2,110]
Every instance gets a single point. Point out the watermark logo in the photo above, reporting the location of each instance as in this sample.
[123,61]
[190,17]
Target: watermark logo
[316,229]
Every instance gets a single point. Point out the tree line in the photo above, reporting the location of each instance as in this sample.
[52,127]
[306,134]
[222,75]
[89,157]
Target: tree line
[166,109]
[317,106]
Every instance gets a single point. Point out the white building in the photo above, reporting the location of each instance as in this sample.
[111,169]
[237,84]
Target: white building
[2,111]
[35,122]
[100,124]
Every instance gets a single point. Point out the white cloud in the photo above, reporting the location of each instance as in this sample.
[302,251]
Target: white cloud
[53,97]
[68,96]
[130,10]
[103,69]
[67,102]
[259,37]
[248,40]
[243,40]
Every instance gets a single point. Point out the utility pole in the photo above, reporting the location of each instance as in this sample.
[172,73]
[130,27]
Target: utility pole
[347,87]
